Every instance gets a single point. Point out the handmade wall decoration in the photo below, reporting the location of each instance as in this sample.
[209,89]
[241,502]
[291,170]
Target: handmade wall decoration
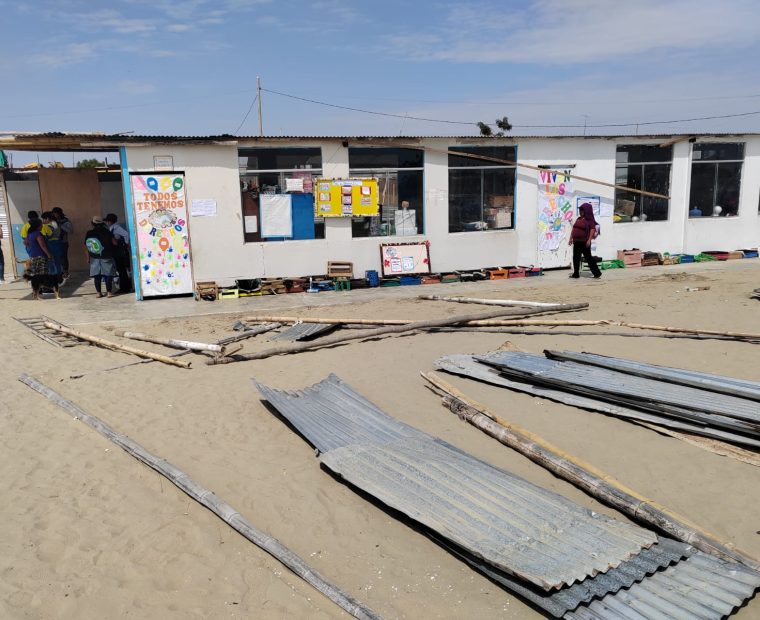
[163,242]
[556,214]
[346,198]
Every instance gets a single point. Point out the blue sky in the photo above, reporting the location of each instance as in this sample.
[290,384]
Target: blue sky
[189,67]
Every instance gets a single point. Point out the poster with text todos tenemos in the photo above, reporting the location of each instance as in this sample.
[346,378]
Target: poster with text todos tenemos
[163,244]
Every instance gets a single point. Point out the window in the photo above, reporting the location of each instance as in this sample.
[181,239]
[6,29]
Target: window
[400,190]
[481,192]
[266,171]
[716,170]
[645,167]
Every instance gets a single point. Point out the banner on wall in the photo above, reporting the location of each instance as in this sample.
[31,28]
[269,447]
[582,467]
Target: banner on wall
[163,243]
[346,198]
[556,214]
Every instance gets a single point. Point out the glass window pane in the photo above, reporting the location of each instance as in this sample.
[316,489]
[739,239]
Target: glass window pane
[465,200]
[506,153]
[657,180]
[713,151]
[279,159]
[643,153]
[727,192]
[702,194]
[376,157]
[628,204]
[499,198]
[394,189]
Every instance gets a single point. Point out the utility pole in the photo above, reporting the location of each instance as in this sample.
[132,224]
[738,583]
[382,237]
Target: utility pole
[258,94]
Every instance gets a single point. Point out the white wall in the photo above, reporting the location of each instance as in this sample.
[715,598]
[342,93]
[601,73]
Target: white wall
[219,252]
[112,199]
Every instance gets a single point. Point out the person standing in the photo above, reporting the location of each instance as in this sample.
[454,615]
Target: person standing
[66,230]
[37,248]
[2,258]
[121,252]
[583,233]
[33,215]
[54,243]
[100,245]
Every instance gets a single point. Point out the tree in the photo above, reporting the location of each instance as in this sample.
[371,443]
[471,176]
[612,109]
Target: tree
[90,163]
[502,123]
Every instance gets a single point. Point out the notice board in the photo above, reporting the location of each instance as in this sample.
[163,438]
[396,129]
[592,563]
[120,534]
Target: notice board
[404,259]
[163,242]
[346,198]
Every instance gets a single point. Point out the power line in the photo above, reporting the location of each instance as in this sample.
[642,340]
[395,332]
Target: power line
[450,122]
[246,114]
[343,107]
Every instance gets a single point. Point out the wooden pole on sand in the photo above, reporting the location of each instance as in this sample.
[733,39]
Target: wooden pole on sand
[171,342]
[206,498]
[107,344]
[593,481]
[382,331]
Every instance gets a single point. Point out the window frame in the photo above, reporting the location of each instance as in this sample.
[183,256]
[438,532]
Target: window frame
[245,171]
[643,167]
[716,163]
[378,172]
[483,166]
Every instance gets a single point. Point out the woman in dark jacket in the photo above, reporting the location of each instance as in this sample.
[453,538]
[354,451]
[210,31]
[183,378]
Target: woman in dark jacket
[584,231]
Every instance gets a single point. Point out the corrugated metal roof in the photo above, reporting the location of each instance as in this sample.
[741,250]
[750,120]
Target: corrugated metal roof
[559,602]
[700,588]
[711,382]
[468,366]
[510,523]
[304,331]
[720,410]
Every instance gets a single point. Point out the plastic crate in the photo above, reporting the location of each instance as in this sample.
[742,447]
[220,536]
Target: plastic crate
[373,279]
[498,274]
[534,272]
[516,272]
[686,258]
[611,264]
[750,253]
[410,280]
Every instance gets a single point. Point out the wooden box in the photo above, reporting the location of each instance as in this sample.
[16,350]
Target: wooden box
[516,272]
[340,269]
[630,258]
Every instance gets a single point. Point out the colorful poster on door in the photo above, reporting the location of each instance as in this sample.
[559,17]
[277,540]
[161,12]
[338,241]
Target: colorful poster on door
[163,243]
[556,215]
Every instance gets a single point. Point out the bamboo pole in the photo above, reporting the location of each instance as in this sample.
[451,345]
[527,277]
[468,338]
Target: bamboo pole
[516,164]
[107,344]
[171,342]
[685,330]
[382,331]
[475,323]
[490,302]
[207,498]
[261,329]
[593,481]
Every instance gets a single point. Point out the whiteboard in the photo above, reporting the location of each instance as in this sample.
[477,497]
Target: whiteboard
[403,259]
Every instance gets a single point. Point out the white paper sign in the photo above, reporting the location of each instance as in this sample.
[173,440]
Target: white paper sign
[202,207]
[293,185]
[276,215]
[251,224]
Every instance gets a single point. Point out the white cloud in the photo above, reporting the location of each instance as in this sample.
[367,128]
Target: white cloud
[136,87]
[582,31]
[179,27]
[71,54]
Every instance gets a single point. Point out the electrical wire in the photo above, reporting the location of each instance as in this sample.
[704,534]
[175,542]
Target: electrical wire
[234,133]
[450,122]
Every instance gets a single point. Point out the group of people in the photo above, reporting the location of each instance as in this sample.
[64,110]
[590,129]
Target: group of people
[46,239]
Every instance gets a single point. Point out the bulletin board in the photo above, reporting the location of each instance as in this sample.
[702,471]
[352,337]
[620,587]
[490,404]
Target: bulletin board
[404,259]
[346,198]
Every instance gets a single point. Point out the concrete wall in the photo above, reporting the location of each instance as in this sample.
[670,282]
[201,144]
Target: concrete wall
[112,199]
[219,252]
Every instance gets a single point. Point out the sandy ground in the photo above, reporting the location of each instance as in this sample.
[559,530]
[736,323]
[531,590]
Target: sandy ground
[88,532]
